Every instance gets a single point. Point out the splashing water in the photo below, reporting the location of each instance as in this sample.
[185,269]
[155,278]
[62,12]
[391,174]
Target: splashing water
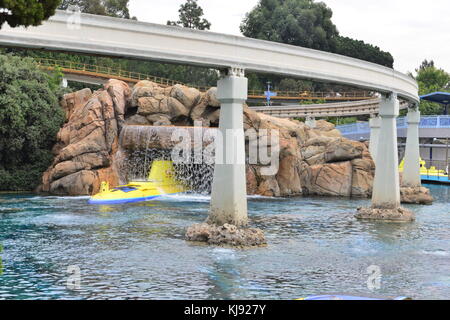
[141,145]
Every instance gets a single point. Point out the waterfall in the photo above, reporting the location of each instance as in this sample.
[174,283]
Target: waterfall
[140,145]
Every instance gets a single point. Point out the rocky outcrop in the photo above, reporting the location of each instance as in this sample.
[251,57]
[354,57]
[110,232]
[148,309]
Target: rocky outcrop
[312,161]
[177,105]
[85,148]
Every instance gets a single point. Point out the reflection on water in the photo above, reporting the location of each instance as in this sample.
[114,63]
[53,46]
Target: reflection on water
[316,246]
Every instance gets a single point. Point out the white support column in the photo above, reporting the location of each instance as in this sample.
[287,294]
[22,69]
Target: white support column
[229,190]
[374,124]
[386,186]
[411,171]
[310,122]
[64,83]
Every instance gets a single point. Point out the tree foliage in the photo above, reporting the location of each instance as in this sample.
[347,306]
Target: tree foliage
[26,12]
[307,24]
[360,50]
[191,17]
[113,8]
[431,79]
[30,117]
[425,64]
[294,85]
[302,23]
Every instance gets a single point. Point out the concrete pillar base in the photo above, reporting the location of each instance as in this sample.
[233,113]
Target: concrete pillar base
[228,235]
[389,215]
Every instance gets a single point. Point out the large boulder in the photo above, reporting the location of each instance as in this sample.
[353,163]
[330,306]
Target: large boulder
[288,176]
[120,94]
[74,100]
[416,195]
[144,88]
[331,179]
[362,177]
[343,150]
[188,97]
[88,142]
[211,98]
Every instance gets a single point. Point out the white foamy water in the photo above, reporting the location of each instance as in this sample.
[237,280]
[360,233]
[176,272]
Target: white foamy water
[184,197]
[60,197]
[197,197]
[440,253]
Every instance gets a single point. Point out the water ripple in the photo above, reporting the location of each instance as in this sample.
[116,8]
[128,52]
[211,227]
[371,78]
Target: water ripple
[137,251]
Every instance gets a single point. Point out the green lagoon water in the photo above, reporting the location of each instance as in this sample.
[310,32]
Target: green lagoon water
[137,251]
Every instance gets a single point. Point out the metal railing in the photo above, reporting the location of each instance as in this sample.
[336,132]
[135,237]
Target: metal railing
[134,77]
[429,122]
[308,95]
[104,72]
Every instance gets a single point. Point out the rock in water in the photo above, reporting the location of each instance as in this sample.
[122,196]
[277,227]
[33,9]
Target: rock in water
[416,195]
[387,215]
[226,235]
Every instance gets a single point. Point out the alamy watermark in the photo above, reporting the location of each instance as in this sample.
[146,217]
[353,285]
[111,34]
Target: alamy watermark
[74,279]
[74,19]
[374,277]
[212,146]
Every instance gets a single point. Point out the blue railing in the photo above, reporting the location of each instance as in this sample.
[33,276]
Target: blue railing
[428,122]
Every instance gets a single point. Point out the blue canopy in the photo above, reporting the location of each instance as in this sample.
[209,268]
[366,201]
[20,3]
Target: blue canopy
[439,97]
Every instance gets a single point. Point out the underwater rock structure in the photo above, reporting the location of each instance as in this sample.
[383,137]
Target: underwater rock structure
[312,161]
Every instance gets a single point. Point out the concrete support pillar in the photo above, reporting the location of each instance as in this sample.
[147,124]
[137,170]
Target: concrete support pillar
[229,189]
[411,171]
[310,122]
[374,124]
[386,186]
[64,83]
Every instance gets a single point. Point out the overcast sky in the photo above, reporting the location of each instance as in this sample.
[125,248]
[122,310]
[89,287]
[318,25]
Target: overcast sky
[412,30]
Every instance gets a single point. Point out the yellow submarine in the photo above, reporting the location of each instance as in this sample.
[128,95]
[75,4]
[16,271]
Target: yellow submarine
[161,181]
[429,174]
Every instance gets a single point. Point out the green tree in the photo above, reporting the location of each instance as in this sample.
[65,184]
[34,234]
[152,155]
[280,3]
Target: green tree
[425,64]
[307,24]
[360,50]
[191,17]
[26,12]
[30,117]
[294,85]
[113,8]
[431,79]
[302,23]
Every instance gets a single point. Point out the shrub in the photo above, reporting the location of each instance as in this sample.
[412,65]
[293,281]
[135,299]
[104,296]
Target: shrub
[30,118]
